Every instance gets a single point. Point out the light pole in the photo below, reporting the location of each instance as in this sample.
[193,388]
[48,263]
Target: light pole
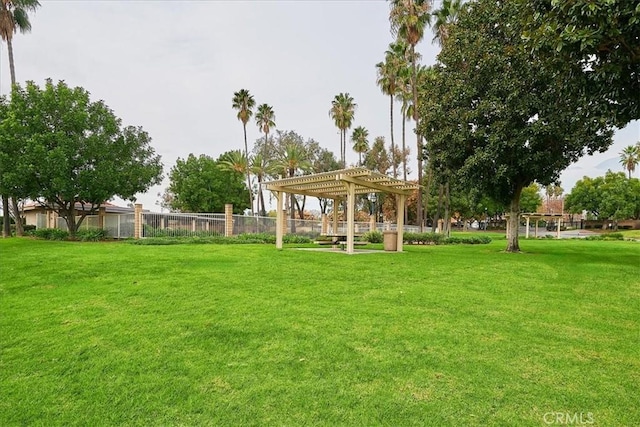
[373,198]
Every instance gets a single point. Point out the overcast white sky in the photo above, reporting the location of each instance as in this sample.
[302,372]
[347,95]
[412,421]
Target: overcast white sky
[172,67]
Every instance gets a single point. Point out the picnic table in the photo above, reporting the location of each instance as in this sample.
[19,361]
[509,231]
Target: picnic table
[336,240]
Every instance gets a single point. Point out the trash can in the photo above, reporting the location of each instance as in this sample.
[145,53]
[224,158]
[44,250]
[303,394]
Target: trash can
[390,241]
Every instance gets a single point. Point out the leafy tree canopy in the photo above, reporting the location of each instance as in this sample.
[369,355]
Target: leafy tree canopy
[496,115]
[201,184]
[612,196]
[602,36]
[62,149]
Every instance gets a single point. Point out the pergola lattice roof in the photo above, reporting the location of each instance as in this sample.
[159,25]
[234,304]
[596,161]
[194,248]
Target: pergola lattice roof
[332,185]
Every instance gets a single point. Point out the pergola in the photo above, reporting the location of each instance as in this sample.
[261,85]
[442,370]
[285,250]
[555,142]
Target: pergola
[340,185]
[537,217]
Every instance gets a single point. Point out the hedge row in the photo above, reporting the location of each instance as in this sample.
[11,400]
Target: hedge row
[221,240]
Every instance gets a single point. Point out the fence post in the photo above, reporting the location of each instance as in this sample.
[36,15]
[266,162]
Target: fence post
[137,225]
[228,220]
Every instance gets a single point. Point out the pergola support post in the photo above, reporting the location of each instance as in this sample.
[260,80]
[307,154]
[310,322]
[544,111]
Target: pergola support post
[351,204]
[528,222]
[400,220]
[335,216]
[279,219]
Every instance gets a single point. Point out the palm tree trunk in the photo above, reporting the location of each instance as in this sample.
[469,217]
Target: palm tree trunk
[393,150]
[414,87]
[13,201]
[12,68]
[246,155]
[344,148]
[404,147]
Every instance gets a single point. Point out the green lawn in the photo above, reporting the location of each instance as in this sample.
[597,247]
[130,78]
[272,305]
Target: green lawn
[119,334]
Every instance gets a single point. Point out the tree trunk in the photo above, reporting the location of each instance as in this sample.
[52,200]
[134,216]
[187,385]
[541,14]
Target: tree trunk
[6,226]
[246,155]
[436,217]
[404,147]
[17,217]
[344,148]
[12,68]
[393,149]
[513,223]
[414,88]
[447,211]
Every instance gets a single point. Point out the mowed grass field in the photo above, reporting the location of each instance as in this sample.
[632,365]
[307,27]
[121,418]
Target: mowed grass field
[120,334]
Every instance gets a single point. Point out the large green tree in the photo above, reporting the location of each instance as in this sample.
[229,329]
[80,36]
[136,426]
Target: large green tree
[65,151]
[243,102]
[202,184]
[14,17]
[586,196]
[497,115]
[611,197]
[601,37]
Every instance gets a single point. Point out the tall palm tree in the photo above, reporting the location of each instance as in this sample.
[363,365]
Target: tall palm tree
[406,96]
[342,112]
[13,18]
[630,157]
[261,167]
[293,159]
[444,18]
[265,119]
[243,102]
[360,140]
[389,82]
[236,161]
[408,20]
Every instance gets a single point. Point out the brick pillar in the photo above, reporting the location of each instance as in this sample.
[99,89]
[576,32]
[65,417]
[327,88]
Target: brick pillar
[325,224]
[372,222]
[101,213]
[228,220]
[137,226]
[285,221]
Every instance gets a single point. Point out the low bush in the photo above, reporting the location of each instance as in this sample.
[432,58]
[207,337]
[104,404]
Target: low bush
[606,236]
[221,240]
[472,240]
[424,238]
[51,234]
[92,235]
[373,236]
[441,239]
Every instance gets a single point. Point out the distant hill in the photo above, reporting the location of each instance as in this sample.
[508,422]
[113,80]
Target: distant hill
[612,163]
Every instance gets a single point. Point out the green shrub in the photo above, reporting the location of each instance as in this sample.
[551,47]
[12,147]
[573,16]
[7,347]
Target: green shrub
[472,240]
[606,236]
[92,235]
[373,236]
[51,234]
[424,238]
[441,239]
[221,240]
